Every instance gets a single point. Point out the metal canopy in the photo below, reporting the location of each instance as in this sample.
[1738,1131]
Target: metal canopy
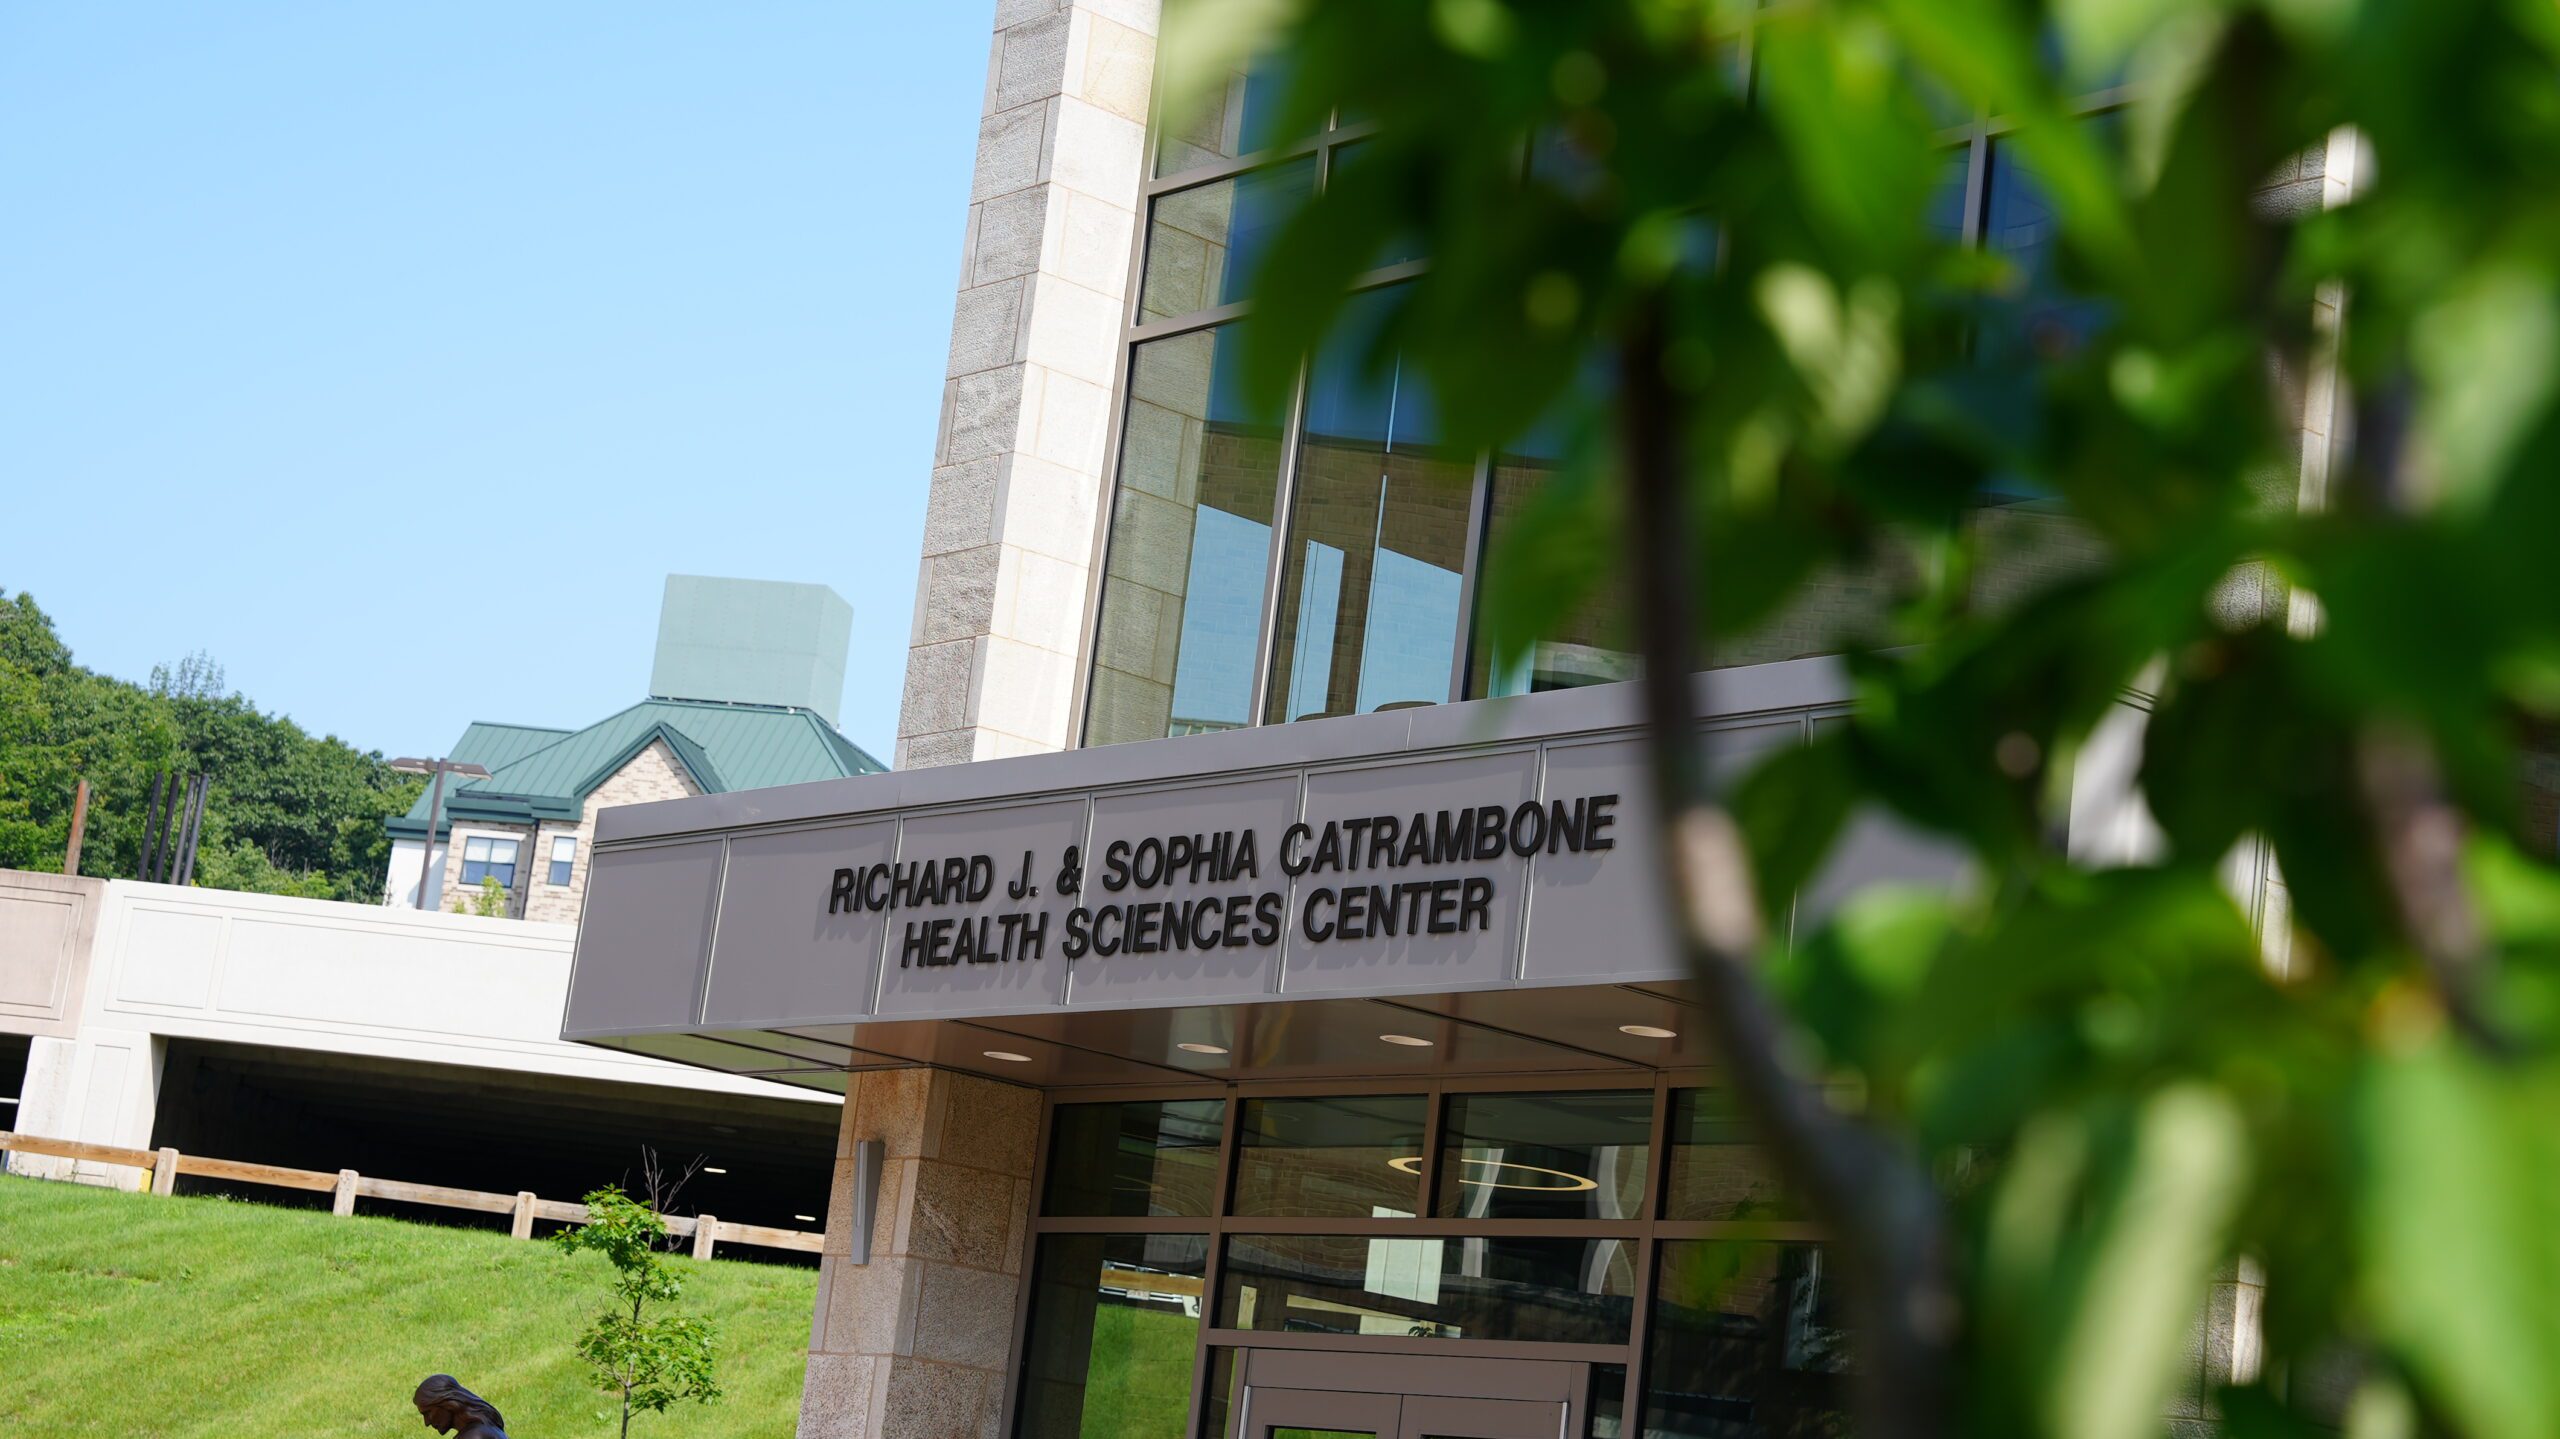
[1480,876]
[1563,1030]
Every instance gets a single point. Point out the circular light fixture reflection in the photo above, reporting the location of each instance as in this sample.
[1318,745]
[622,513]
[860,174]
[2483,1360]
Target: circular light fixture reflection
[1409,1041]
[1648,1031]
[1194,1047]
[806,1218]
[1573,1183]
[1007,1055]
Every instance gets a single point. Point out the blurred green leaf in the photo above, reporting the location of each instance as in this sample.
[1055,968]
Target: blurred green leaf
[2461,1175]
[2105,1227]
[1791,807]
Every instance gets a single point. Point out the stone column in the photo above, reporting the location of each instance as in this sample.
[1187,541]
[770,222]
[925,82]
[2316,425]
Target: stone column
[1026,406]
[915,1343]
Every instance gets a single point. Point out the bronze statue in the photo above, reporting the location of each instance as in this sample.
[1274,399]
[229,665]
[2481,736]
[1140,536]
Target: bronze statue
[448,1408]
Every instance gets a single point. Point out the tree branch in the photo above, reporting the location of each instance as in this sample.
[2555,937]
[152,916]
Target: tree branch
[2420,833]
[2418,829]
[1876,1202]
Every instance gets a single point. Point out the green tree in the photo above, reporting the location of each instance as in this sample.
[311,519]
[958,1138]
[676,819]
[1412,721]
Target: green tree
[1696,235]
[489,903]
[651,1359]
[285,813]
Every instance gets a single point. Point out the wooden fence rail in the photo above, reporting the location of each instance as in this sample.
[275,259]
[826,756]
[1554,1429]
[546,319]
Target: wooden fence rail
[345,1187]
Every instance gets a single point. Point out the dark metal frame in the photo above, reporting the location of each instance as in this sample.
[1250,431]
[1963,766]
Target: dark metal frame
[1647,1232]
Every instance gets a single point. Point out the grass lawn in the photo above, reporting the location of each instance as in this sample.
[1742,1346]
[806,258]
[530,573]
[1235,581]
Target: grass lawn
[124,1314]
[1141,1374]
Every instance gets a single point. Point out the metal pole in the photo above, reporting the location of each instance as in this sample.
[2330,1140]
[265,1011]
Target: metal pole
[79,828]
[151,828]
[195,829]
[427,862]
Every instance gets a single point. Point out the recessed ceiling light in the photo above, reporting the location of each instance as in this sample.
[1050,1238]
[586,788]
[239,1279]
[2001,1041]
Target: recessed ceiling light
[1648,1031]
[1192,1047]
[1408,1040]
[806,1218]
[1007,1055]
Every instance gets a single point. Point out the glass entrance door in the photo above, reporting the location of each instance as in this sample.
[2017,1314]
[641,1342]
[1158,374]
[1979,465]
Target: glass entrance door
[1321,1394]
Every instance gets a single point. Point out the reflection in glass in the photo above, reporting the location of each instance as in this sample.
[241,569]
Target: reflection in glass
[1341,1156]
[1190,546]
[1562,1291]
[2039,321]
[1745,1344]
[1608,1402]
[1716,1171]
[1405,243]
[1236,119]
[1153,1158]
[1545,1156]
[1203,243]
[1595,645]
[1114,1318]
[1377,554]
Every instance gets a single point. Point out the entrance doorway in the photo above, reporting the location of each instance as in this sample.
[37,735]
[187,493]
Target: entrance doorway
[1319,1394]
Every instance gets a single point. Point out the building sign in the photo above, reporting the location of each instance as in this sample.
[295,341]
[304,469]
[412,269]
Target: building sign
[1418,854]
[1367,877]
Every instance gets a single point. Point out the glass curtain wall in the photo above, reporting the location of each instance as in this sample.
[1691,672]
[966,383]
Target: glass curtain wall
[1630,1229]
[1325,560]
[1373,583]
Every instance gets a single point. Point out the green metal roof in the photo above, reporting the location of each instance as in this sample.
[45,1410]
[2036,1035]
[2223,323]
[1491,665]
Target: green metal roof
[548,774]
[489,746]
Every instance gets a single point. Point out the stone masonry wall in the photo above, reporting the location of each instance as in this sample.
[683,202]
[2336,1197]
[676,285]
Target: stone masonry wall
[1026,410]
[652,774]
[914,1344]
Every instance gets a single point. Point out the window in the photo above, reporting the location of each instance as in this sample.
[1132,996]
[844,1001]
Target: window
[1202,243]
[1344,1156]
[1331,559]
[1158,1159]
[1191,546]
[1242,117]
[1546,1156]
[484,857]
[1596,645]
[1716,1171]
[1549,1290]
[1176,1234]
[2041,321]
[564,857]
[1115,1319]
[1744,1341]
[1375,571]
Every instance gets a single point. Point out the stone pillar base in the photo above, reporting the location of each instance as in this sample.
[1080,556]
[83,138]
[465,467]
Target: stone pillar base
[915,1344]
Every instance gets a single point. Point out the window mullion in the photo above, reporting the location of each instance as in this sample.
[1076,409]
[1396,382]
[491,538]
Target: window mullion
[1284,498]
[1479,525]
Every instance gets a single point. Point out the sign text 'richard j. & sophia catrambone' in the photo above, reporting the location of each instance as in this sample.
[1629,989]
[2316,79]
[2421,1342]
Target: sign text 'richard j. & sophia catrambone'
[1370,877]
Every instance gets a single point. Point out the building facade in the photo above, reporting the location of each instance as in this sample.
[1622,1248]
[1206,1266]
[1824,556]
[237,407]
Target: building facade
[743,694]
[1249,998]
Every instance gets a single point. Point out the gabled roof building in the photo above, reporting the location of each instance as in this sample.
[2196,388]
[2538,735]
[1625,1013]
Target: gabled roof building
[743,696]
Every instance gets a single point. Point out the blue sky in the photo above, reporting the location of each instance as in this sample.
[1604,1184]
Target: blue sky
[394,354]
